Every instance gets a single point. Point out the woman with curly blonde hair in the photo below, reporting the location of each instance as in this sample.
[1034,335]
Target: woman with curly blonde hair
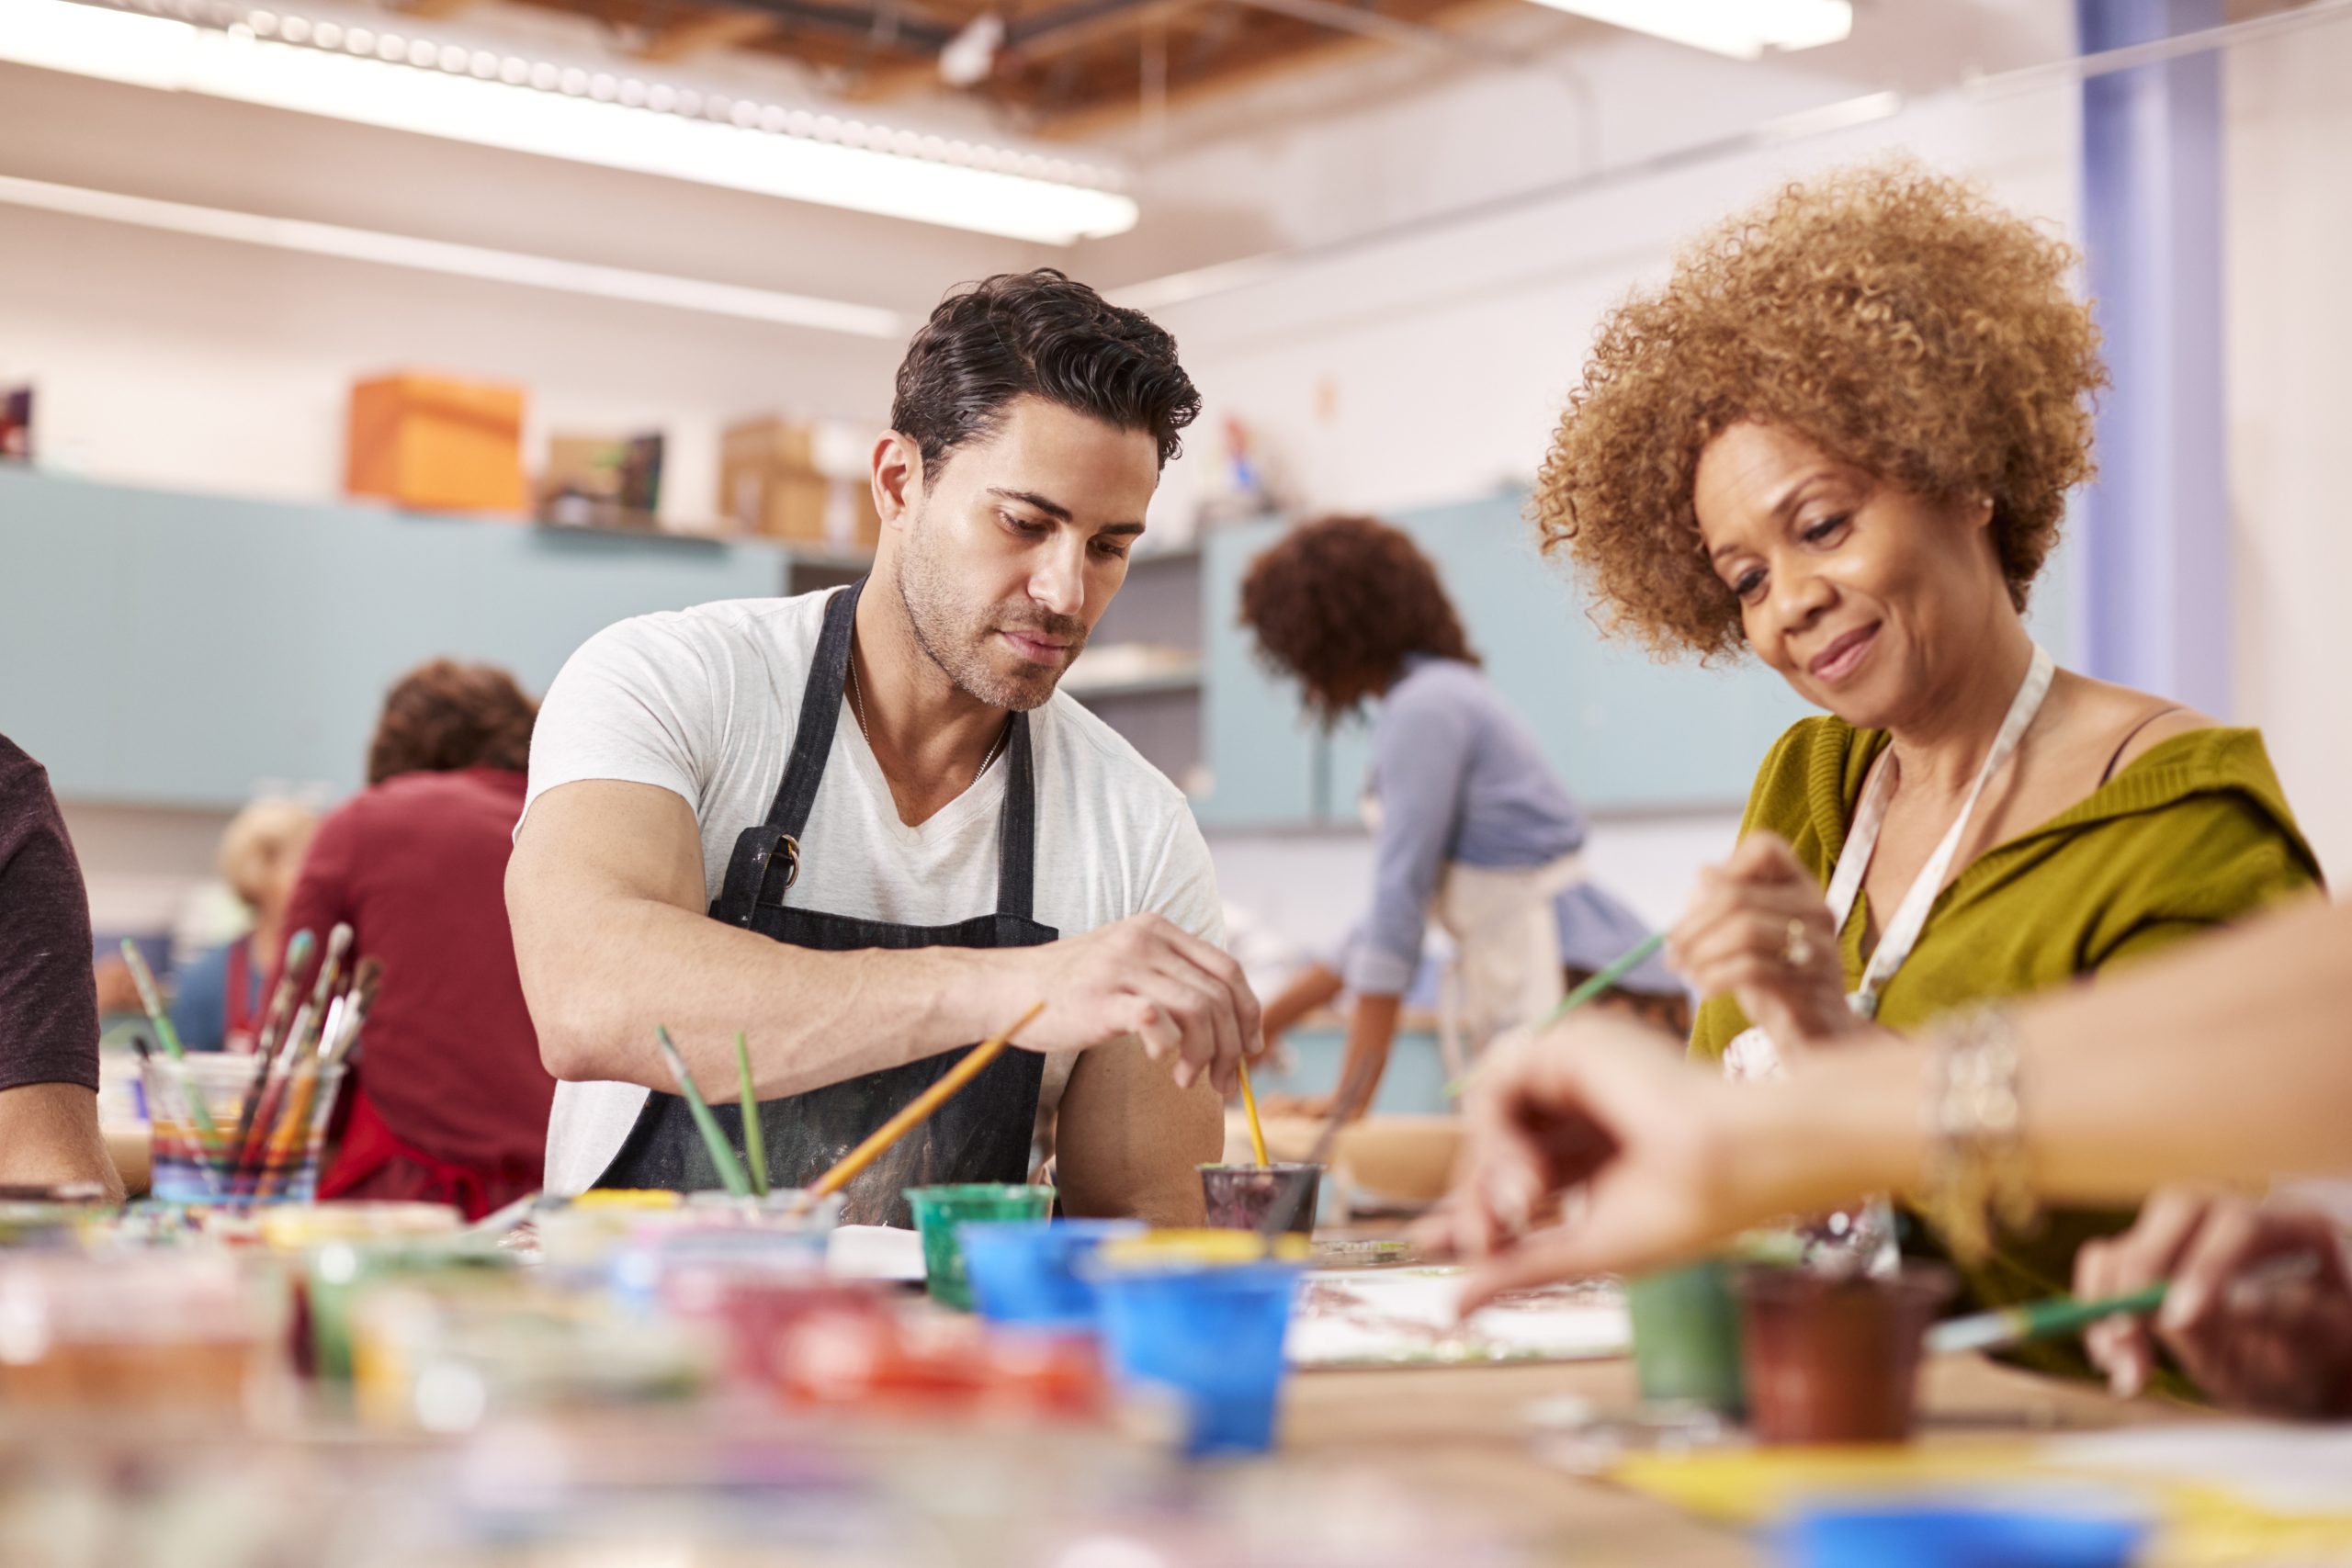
[1840,437]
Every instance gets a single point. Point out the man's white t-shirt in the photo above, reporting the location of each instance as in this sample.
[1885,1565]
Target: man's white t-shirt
[703,702]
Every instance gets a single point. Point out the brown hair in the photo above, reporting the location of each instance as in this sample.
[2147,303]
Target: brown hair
[444,716]
[1894,317]
[1340,602]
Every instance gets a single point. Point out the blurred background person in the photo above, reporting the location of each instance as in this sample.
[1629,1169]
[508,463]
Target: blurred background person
[449,1102]
[217,997]
[1471,826]
[48,1001]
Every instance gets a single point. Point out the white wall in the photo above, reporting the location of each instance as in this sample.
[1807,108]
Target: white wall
[2289,344]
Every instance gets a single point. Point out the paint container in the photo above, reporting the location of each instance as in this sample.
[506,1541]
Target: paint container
[1686,1338]
[1835,1359]
[757,1310]
[941,1212]
[168,1334]
[1209,1335]
[1948,1532]
[1032,1273]
[1239,1197]
[336,1273]
[194,1152]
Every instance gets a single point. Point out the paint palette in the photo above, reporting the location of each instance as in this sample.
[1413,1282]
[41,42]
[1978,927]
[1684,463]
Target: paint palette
[1406,1317]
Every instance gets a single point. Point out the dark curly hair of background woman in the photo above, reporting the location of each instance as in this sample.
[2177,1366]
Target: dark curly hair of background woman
[444,715]
[1340,602]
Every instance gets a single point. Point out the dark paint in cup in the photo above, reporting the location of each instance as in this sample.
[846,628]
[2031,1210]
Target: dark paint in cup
[1240,1197]
[1835,1359]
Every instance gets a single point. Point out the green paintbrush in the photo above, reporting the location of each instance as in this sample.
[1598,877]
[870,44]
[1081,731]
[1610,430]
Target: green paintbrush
[1616,970]
[152,1000]
[2039,1320]
[756,1148]
[722,1154]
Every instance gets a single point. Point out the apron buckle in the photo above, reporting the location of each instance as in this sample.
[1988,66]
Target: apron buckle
[786,849]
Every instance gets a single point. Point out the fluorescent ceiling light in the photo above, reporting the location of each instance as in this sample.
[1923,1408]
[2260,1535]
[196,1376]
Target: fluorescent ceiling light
[1741,28]
[352,72]
[459,261]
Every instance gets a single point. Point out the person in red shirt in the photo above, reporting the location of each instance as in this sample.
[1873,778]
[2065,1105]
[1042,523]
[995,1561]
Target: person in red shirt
[449,1102]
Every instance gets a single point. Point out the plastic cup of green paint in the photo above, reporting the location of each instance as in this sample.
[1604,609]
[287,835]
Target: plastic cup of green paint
[1686,1336]
[940,1212]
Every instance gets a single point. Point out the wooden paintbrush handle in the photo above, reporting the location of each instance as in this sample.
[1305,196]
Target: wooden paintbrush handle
[917,1110]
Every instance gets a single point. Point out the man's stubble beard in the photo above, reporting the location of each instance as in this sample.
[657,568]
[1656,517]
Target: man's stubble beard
[939,621]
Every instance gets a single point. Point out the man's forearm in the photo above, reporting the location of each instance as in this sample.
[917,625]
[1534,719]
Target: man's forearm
[49,1135]
[599,986]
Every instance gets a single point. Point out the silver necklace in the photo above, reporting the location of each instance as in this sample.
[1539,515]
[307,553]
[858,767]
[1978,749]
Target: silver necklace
[857,711]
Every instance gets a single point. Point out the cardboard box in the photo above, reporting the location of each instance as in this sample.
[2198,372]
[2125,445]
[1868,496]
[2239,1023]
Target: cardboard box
[769,483]
[601,481]
[436,443]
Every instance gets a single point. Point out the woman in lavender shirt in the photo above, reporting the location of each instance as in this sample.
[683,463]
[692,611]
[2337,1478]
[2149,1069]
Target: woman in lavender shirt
[1472,828]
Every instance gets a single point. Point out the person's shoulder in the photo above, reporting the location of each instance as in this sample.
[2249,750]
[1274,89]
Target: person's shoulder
[21,778]
[1073,740]
[1812,756]
[1432,686]
[724,627]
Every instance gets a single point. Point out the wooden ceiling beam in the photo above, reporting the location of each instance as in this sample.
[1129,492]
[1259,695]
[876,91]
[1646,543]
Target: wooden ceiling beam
[700,35]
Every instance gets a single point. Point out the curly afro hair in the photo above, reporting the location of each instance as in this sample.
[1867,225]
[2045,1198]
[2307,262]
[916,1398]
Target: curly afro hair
[444,716]
[1894,317]
[1340,602]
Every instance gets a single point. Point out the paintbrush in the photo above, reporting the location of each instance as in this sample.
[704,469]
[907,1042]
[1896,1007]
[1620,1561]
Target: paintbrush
[1285,1209]
[1249,1105]
[152,998]
[289,987]
[300,1038]
[755,1147]
[1600,981]
[912,1115]
[2039,1320]
[723,1153]
[346,1014]
[2054,1316]
[338,1039]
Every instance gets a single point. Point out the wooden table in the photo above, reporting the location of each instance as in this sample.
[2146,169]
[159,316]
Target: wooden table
[1462,1434]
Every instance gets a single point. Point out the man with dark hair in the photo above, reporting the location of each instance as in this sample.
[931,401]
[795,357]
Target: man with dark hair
[863,827]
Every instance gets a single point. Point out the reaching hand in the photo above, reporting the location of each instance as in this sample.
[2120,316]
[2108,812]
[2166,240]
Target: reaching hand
[1145,976]
[1759,929]
[1606,1103]
[2260,1310]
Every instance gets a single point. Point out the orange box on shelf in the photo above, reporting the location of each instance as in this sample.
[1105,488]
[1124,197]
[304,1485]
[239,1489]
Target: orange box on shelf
[770,483]
[437,443]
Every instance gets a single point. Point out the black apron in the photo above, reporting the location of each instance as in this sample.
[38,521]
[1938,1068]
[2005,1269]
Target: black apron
[984,1132]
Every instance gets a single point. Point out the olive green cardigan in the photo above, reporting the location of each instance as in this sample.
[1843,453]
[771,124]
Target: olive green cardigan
[2193,833]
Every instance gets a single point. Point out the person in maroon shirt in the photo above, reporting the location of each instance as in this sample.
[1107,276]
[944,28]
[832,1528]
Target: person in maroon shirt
[48,994]
[449,1103]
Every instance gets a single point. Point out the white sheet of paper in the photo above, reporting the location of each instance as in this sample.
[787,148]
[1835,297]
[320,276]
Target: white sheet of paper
[874,1252]
[2285,1469]
[1406,1316]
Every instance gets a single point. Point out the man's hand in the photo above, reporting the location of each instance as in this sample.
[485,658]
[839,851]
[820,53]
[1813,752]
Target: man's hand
[1759,929]
[1185,999]
[2260,1310]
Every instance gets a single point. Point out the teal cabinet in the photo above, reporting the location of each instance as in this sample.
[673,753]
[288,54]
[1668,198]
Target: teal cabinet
[169,649]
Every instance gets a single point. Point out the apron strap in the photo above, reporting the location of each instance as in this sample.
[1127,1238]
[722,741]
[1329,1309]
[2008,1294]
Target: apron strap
[1016,850]
[821,714]
[767,858]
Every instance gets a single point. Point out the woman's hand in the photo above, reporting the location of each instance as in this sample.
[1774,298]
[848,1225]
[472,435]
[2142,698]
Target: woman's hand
[1606,1103]
[1759,929]
[2260,1310]
[1316,1107]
